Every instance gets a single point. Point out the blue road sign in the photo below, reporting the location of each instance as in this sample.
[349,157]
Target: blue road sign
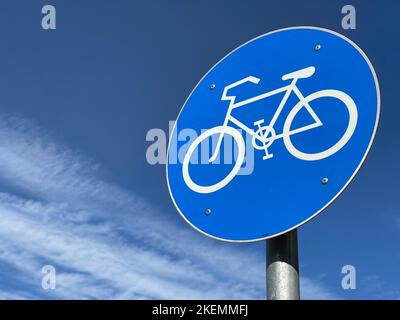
[272,134]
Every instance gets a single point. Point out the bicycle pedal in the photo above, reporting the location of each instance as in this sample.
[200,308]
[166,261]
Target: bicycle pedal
[268,156]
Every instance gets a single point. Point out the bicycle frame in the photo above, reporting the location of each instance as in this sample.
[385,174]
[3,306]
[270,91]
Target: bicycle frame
[232,105]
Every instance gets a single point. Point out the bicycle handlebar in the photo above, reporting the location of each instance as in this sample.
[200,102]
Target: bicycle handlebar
[235,84]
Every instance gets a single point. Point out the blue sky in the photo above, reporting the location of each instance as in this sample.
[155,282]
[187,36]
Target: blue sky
[77,192]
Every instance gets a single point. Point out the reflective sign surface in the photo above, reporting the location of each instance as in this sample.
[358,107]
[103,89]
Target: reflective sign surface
[272,134]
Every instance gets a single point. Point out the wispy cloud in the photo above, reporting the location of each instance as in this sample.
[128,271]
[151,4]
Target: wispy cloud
[105,242]
[314,289]
[379,288]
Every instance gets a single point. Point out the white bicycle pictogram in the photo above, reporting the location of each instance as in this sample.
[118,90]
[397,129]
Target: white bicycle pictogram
[264,136]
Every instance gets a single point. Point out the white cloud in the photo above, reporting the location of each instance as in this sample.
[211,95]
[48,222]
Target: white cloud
[315,290]
[105,241]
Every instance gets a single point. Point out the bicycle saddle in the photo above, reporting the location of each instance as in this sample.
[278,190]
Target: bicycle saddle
[302,73]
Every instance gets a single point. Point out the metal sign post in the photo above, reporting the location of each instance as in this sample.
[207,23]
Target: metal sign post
[283,267]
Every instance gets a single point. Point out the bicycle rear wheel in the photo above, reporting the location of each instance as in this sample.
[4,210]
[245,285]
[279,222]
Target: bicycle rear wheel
[239,160]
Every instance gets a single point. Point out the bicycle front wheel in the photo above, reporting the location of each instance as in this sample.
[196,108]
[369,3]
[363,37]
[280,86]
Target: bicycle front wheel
[351,126]
[239,160]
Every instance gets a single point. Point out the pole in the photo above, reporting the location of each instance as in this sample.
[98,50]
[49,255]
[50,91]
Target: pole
[283,267]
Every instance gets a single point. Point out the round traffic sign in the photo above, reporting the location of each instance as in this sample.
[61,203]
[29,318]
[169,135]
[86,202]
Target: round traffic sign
[272,134]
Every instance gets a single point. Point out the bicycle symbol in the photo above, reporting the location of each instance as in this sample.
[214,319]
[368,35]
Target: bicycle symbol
[265,135]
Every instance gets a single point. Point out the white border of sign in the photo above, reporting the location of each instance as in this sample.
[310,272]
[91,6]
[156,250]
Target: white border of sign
[347,183]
